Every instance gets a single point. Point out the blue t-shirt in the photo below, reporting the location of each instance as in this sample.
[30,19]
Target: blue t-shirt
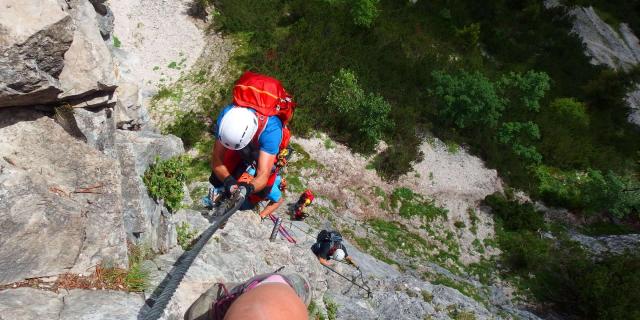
[271,136]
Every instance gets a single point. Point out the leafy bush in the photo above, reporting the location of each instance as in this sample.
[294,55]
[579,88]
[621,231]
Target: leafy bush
[364,12]
[524,91]
[590,191]
[189,127]
[520,136]
[565,137]
[186,236]
[513,215]
[607,288]
[332,308]
[165,179]
[366,114]
[467,99]
[396,160]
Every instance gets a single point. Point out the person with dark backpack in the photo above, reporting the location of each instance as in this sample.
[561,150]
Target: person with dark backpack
[329,246]
[252,131]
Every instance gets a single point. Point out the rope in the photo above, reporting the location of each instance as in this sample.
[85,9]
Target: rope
[178,272]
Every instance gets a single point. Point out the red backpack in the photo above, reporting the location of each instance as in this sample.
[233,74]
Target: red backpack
[267,97]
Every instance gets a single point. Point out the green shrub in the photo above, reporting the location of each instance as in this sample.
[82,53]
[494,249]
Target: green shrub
[165,179]
[188,126]
[520,136]
[332,308]
[396,160]
[467,99]
[513,215]
[608,288]
[397,238]
[186,236]
[116,42]
[410,204]
[590,191]
[364,116]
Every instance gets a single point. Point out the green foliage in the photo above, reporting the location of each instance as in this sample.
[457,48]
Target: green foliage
[524,91]
[164,180]
[411,204]
[565,127]
[606,228]
[363,115]
[116,42]
[513,215]
[426,296]
[396,160]
[188,126]
[369,247]
[364,12]
[591,191]
[608,288]
[314,311]
[186,236]
[332,308]
[467,99]
[459,224]
[520,136]
[469,36]
[397,238]
[137,278]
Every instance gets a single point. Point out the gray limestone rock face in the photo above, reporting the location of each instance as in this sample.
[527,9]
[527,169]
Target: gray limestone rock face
[242,249]
[88,66]
[98,305]
[60,201]
[146,221]
[615,244]
[34,304]
[34,37]
[29,304]
[617,49]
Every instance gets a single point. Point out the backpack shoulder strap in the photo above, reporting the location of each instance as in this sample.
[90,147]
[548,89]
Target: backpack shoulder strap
[262,124]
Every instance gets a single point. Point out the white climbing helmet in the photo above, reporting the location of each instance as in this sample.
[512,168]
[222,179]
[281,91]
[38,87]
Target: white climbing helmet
[237,128]
[338,255]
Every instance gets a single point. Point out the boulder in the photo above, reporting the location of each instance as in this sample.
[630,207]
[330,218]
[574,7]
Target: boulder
[32,304]
[60,201]
[35,34]
[88,64]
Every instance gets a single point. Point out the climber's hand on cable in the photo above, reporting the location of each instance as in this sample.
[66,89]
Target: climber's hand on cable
[248,186]
[230,185]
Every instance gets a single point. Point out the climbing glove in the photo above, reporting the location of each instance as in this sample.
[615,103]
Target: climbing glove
[249,187]
[229,183]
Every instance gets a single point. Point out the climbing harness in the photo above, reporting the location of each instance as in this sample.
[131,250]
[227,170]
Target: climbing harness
[229,207]
[353,280]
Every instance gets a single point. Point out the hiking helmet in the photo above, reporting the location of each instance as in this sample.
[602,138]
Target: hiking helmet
[237,128]
[338,255]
